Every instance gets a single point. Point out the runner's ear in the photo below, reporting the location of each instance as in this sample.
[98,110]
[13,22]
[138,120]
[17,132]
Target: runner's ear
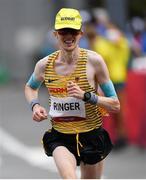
[55,33]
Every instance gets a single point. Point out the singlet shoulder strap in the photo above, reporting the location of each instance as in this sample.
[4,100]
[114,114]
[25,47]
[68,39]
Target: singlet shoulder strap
[51,58]
[84,53]
[53,55]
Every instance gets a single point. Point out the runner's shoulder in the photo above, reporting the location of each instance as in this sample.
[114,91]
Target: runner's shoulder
[42,62]
[94,57]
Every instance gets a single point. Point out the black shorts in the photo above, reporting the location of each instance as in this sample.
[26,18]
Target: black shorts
[96,144]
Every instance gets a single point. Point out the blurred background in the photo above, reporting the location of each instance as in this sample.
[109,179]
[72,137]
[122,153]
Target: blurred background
[114,28]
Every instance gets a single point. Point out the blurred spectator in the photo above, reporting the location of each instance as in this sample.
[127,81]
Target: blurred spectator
[137,36]
[102,20]
[113,47]
[86,17]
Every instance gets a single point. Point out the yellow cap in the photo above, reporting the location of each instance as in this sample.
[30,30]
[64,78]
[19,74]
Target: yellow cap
[68,18]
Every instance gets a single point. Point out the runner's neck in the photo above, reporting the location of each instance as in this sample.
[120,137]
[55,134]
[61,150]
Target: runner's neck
[69,57]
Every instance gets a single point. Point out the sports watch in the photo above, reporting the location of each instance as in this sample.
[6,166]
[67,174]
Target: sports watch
[87,96]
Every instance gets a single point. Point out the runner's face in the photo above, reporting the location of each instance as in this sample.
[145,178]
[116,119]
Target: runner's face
[68,38]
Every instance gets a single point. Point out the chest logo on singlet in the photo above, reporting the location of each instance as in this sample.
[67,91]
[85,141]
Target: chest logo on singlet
[52,80]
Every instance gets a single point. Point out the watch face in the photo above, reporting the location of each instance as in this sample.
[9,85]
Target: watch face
[87,96]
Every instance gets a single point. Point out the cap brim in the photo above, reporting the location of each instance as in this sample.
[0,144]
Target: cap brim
[60,26]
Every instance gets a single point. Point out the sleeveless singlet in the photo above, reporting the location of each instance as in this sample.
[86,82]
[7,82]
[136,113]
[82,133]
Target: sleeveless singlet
[68,114]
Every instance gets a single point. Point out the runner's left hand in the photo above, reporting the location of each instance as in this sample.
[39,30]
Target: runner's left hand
[74,90]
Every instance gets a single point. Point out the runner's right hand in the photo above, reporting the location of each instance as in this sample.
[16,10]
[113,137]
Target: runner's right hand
[39,113]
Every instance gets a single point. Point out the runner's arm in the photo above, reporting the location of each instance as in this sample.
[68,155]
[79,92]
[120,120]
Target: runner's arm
[110,100]
[32,89]
[33,84]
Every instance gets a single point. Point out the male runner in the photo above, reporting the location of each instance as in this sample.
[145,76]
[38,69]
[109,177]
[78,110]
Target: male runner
[72,76]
